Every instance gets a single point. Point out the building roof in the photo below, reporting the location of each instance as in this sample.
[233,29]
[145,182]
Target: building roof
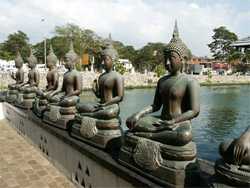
[245,42]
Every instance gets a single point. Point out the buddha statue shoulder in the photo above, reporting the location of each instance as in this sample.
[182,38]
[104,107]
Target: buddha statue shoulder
[177,94]
[72,83]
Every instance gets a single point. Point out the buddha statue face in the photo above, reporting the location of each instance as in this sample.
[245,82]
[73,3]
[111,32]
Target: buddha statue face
[48,63]
[107,62]
[31,64]
[68,63]
[18,64]
[173,61]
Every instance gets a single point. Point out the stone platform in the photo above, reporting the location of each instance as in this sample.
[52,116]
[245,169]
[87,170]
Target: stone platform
[84,165]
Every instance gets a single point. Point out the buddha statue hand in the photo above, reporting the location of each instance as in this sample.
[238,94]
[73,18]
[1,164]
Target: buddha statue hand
[131,121]
[49,96]
[241,148]
[98,105]
[63,97]
[163,122]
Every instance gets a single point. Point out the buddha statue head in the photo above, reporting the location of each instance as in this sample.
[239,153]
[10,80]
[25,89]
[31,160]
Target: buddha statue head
[110,50]
[72,55]
[19,60]
[32,59]
[177,45]
[52,57]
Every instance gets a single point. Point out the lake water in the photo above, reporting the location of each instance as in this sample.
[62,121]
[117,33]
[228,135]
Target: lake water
[224,114]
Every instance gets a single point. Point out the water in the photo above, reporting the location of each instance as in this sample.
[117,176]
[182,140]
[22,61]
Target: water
[224,114]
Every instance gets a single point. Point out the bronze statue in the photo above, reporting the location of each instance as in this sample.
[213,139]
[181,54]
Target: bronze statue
[234,168]
[52,84]
[160,144]
[61,110]
[19,77]
[102,117]
[27,90]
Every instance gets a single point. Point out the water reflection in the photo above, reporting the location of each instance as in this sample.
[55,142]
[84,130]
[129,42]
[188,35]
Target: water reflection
[224,114]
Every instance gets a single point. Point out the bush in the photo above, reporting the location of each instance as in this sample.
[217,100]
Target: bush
[120,68]
[79,67]
[159,71]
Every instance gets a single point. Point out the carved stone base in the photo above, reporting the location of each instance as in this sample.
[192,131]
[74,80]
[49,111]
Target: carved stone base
[148,158]
[23,103]
[61,117]
[231,174]
[11,96]
[39,109]
[86,129]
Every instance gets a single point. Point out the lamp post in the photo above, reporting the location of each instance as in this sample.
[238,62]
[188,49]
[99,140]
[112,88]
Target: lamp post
[43,20]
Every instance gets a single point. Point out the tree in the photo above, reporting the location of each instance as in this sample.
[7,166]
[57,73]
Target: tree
[220,47]
[84,40]
[127,52]
[120,68]
[159,71]
[16,42]
[149,56]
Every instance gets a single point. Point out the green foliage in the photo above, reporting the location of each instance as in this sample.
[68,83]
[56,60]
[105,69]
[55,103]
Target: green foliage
[15,42]
[246,57]
[149,56]
[84,41]
[159,71]
[209,76]
[127,52]
[120,68]
[220,47]
[79,67]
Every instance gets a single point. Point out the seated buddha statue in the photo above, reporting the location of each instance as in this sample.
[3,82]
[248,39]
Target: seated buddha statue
[162,144]
[52,84]
[19,77]
[234,166]
[61,110]
[103,116]
[27,90]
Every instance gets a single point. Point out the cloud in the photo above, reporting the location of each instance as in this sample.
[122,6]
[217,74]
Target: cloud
[132,22]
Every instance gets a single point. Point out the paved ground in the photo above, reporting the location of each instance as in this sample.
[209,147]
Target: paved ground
[21,165]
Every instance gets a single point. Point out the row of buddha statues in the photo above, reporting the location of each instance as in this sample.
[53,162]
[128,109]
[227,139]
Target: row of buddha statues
[159,147]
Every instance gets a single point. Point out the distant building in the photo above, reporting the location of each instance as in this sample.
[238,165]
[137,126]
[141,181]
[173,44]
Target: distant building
[126,63]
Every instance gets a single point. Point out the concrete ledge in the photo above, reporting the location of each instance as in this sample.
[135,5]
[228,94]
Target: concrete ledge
[83,164]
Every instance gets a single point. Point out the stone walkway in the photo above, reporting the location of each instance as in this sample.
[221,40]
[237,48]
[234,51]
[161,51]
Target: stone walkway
[21,165]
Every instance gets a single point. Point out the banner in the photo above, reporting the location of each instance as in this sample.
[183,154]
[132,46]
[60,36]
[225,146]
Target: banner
[84,60]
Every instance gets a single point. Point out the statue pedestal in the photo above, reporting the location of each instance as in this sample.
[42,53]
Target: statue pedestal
[88,130]
[171,166]
[25,100]
[39,106]
[61,117]
[11,96]
[237,176]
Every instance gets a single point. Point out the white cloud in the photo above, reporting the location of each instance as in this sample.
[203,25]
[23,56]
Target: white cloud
[132,22]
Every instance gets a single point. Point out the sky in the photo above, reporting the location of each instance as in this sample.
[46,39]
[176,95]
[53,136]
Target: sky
[132,22]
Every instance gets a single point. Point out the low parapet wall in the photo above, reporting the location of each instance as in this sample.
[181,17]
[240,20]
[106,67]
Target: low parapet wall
[83,164]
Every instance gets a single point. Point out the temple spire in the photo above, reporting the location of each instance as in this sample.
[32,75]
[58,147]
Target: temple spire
[176,31]
[71,45]
[51,49]
[31,52]
[109,40]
